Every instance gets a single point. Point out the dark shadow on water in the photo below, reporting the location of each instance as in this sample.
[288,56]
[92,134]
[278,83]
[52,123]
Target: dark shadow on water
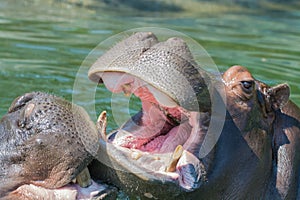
[273,7]
[251,3]
[147,6]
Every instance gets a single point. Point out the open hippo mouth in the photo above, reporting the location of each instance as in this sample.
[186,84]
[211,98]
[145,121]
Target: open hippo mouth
[161,141]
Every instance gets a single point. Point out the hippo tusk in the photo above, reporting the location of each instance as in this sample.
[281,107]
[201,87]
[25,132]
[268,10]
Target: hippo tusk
[127,89]
[101,125]
[174,159]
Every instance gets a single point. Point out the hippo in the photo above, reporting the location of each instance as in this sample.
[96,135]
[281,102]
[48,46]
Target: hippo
[158,152]
[46,144]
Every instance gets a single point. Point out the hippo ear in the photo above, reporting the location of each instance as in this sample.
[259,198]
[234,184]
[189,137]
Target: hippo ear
[278,95]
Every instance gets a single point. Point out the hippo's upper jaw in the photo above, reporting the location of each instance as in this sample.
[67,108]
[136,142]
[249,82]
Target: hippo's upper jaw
[43,148]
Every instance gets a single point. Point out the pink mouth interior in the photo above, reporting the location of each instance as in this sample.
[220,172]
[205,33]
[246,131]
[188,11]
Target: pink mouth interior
[160,129]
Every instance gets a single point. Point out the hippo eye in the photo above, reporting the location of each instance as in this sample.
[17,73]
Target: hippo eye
[247,85]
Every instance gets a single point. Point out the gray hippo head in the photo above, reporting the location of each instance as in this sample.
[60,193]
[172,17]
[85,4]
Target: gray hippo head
[46,142]
[157,153]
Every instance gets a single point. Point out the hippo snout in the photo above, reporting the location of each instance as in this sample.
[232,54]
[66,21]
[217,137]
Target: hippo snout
[46,141]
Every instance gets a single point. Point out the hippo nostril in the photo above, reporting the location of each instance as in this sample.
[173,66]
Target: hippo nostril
[20,102]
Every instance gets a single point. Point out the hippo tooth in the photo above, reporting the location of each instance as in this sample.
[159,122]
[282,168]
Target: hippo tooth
[84,178]
[156,158]
[126,89]
[135,155]
[101,125]
[174,159]
[149,195]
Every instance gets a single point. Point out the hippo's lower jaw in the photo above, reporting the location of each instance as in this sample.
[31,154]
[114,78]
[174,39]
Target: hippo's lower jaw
[180,168]
[70,191]
[161,142]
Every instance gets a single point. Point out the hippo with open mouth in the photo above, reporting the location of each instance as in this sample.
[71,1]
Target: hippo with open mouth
[165,151]
[47,143]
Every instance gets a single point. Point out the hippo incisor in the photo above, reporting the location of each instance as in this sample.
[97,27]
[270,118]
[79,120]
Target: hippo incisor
[46,142]
[156,153]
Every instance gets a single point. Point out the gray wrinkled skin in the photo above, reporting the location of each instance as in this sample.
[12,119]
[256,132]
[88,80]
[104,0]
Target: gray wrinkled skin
[41,144]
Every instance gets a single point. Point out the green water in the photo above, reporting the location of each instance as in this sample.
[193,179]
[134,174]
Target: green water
[43,43]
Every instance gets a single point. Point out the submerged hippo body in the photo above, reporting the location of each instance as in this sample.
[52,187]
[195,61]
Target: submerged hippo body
[157,153]
[45,143]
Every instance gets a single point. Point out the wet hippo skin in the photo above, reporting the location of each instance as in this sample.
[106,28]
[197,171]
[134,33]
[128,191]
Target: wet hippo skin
[255,105]
[42,146]
[157,153]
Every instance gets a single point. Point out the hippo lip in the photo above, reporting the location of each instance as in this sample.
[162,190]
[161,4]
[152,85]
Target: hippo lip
[162,141]
[69,191]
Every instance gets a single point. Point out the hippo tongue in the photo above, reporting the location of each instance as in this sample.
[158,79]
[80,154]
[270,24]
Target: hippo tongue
[153,130]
